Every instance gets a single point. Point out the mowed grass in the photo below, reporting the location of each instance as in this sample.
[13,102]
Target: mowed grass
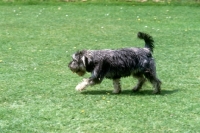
[37,90]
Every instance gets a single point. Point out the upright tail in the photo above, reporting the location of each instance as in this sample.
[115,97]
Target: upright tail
[149,42]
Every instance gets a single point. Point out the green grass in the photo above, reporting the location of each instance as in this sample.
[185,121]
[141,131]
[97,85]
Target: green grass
[136,2]
[37,89]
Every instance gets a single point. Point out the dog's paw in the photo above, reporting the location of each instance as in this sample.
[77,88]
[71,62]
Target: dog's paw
[116,91]
[81,86]
[156,92]
[135,89]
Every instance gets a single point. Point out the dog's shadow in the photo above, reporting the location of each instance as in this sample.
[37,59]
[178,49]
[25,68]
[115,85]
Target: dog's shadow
[128,92]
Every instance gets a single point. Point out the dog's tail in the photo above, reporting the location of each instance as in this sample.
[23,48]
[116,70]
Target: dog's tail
[149,42]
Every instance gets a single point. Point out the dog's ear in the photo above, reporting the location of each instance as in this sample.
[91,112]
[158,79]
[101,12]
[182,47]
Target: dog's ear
[80,54]
[74,57]
[85,60]
[77,56]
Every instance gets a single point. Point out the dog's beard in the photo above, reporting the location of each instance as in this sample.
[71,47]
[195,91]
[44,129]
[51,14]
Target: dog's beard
[76,68]
[81,73]
[81,70]
[78,72]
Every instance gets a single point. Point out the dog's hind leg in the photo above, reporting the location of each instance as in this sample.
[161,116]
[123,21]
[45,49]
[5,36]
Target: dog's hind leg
[117,86]
[155,82]
[141,81]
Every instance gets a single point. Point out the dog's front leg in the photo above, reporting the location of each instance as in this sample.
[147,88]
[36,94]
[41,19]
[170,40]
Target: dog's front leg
[87,82]
[96,78]
[97,74]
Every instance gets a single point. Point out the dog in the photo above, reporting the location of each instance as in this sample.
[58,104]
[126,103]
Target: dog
[115,64]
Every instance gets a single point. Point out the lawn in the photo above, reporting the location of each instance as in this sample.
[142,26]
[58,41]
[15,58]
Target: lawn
[37,90]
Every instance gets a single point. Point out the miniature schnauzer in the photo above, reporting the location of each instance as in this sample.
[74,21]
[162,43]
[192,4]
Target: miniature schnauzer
[114,64]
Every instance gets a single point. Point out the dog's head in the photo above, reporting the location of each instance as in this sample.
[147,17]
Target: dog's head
[77,64]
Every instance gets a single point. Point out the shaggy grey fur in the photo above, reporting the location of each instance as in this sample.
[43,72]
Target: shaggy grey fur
[114,64]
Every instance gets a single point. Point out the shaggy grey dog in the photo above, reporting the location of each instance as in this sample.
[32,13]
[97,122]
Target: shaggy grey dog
[114,64]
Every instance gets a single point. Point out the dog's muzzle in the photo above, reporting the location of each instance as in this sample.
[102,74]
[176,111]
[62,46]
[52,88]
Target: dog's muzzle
[76,69]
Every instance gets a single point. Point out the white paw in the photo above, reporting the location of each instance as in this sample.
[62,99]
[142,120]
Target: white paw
[81,86]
